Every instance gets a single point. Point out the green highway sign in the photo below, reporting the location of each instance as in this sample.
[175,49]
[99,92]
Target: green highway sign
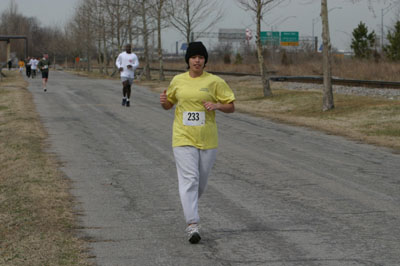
[269,38]
[290,38]
[276,38]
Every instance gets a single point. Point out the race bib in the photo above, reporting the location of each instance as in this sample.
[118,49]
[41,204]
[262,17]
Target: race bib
[45,67]
[193,118]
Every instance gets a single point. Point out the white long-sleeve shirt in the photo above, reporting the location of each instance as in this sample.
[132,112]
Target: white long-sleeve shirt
[124,60]
[34,63]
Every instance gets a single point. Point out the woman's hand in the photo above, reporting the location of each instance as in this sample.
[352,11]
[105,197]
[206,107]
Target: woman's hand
[164,101]
[210,106]
[226,108]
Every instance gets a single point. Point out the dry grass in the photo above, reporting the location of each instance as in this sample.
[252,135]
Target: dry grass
[368,70]
[36,218]
[302,65]
[371,120]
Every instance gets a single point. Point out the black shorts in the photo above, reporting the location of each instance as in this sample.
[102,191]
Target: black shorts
[45,74]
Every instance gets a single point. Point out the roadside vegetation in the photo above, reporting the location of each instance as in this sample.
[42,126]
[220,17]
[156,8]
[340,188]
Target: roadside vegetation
[37,219]
[300,64]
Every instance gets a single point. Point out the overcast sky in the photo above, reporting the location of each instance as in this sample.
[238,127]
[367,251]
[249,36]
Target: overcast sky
[295,15]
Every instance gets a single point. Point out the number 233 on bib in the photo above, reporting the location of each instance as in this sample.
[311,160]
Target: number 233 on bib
[194,118]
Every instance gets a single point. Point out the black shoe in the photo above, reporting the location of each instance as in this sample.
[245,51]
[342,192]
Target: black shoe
[195,238]
[193,233]
[123,102]
[45,89]
[128,103]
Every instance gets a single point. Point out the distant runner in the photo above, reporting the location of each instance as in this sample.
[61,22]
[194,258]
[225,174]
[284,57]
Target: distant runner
[196,94]
[127,62]
[28,66]
[34,62]
[43,65]
[21,65]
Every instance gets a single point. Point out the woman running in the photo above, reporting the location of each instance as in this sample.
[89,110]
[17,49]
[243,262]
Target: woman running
[197,94]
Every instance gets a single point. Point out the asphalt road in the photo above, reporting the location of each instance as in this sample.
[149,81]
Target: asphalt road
[278,195]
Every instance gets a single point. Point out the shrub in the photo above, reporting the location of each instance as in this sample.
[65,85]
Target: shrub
[227,59]
[238,59]
[362,41]
[393,49]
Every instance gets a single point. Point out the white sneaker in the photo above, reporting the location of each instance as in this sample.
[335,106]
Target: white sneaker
[193,233]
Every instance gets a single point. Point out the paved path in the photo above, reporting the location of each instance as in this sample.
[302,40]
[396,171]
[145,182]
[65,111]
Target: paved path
[278,195]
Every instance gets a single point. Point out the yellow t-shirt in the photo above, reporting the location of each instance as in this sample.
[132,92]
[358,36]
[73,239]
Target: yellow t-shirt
[193,124]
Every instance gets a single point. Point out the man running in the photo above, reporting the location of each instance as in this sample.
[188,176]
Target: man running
[9,63]
[34,62]
[28,66]
[127,62]
[43,65]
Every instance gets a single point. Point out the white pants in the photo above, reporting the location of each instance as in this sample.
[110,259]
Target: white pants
[193,166]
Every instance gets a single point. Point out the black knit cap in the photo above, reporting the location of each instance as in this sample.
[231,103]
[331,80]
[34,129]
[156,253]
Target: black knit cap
[196,48]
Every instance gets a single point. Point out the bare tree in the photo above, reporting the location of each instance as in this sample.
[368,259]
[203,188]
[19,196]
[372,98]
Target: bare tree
[73,34]
[158,12]
[82,27]
[103,33]
[103,26]
[117,18]
[188,16]
[40,39]
[14,23]
[129,20]
[116,10]
[260,8]
[98,23]
[143,7]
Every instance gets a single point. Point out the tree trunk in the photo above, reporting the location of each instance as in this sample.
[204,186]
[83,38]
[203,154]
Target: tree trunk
[145,42]
[263,70]
[130,23]
[113,57]
[327,98]
[105,53]
[188,26]
[160,54]
[99,57]
[119,28]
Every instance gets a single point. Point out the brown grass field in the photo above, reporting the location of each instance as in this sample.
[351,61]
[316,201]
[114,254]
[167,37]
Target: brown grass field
[37,221]
[307,65]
